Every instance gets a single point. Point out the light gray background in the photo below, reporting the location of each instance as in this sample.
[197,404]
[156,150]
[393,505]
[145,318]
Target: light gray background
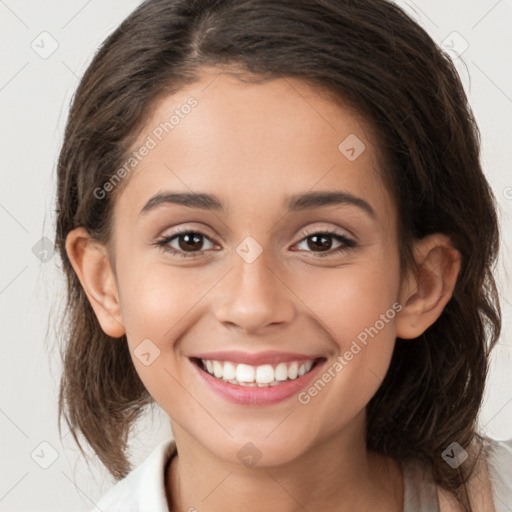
[34,98]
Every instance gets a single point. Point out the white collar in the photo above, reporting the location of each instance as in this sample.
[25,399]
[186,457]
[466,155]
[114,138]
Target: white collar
[143,489]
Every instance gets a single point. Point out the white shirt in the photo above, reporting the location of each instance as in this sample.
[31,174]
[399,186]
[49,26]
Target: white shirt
[143,489]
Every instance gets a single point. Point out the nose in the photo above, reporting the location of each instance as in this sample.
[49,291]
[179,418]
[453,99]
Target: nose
[253,297]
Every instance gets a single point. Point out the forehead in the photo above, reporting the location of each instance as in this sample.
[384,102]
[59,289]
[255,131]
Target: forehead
[251,142]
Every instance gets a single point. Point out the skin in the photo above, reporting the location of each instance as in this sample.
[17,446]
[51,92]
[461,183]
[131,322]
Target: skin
[253,145]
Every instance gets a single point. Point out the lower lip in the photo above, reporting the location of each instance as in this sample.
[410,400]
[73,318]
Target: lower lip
[254,395]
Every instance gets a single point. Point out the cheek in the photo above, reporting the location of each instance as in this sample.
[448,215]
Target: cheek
[357,306]
[157,297]
[159,304]
[362,330]
[350,299]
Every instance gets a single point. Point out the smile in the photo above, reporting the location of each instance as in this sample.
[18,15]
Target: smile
[256,379]
[260,376]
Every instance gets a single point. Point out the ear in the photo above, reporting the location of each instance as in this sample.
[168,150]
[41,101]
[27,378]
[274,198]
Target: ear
[425,294]
[90,261]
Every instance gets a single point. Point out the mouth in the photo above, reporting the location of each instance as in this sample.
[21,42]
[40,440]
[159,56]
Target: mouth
[268,380]
[265,375]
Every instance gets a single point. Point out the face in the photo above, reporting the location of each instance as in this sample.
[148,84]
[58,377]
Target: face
[291,299]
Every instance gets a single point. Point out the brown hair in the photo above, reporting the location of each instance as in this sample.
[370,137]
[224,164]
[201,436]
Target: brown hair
[369,54]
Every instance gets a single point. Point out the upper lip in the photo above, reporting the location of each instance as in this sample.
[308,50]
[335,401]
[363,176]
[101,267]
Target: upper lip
[254,359]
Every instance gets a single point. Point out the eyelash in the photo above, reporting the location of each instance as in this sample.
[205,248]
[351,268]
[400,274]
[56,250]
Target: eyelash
[347,243]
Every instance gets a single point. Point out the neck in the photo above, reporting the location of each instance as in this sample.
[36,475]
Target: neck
[338,474]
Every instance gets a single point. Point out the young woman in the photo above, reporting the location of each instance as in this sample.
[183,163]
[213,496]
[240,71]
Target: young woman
[274,224]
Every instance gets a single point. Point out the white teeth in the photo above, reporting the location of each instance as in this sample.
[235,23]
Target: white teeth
[218,370]
[261,376]
[304,368]
[229,371]
[264,374]
[281,372]
[293,370]
[245,373]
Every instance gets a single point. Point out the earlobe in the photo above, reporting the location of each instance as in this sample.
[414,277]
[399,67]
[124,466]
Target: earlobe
[89,259]
[426,293]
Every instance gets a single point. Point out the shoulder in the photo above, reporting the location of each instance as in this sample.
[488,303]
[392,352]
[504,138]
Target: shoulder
[143,489]
[499,466]
[490,485]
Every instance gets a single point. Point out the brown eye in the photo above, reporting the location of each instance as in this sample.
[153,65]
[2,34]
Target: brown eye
[186,243]
[320,243]
[190,241]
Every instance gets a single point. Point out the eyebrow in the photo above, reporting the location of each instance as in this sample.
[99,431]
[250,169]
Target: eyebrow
[295,203]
